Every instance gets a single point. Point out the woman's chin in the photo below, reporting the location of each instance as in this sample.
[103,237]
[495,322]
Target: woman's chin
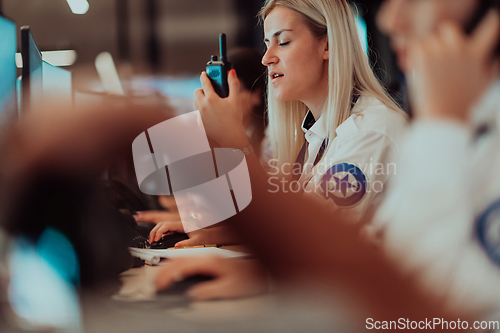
[282,97]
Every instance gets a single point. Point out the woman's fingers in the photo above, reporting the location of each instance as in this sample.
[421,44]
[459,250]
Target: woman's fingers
[234,84]
[206,84]
[162,230]
[221,117]
[146,216]
[188,242]
[208,90]
[199,94]
[152,233]
[164,227]
[231,277]
[181,268]
[218,288]
[485,38]
[206,236]
[169,274]
[157,232]
[449,70]
[168,202]
[156,216]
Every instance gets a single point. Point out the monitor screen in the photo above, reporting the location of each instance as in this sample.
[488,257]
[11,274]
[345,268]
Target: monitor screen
[32,87]
[8,49]
[57,84]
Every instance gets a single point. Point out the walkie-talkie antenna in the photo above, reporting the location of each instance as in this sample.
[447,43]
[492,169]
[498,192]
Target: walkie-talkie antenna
[217,69]
[222,47]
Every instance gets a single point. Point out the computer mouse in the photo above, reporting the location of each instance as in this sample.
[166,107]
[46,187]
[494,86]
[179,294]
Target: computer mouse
[168,241]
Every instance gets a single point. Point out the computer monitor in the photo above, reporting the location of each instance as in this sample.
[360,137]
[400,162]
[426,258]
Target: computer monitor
[32,84]
[57,84]
[8,99]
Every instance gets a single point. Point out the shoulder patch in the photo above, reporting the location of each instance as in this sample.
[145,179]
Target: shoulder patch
[488,231]
[344,183]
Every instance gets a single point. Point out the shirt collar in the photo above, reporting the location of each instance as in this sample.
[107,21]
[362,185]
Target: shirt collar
[364,102]
[308,121]
[312,127]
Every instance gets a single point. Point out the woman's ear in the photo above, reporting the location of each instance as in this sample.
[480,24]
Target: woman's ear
[326,54]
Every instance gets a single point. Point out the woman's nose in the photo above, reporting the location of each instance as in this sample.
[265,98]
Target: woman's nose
[269,57]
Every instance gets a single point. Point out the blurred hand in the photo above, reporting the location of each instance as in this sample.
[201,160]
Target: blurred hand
[221,235]
[156,216]
[167,202]
[452,70]
[165,228]
[233,278]
[222,117]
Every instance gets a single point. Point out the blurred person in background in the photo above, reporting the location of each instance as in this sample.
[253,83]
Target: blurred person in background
[442,216]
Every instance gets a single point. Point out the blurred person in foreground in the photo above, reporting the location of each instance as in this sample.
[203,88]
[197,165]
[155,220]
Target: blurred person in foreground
[442,216]
[61,233]
[71,147]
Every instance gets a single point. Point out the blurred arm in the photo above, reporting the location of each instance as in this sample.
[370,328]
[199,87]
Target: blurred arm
[297,240]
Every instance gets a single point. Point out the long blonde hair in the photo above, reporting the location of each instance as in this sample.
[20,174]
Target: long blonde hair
[348,73]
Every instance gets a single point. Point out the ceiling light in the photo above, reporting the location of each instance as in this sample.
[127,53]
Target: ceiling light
[78,6]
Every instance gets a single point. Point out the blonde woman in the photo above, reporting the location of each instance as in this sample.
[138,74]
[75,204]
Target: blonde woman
[331,123]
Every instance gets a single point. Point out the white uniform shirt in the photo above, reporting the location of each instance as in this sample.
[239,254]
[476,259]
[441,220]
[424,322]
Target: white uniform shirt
[441,219]
[360,158]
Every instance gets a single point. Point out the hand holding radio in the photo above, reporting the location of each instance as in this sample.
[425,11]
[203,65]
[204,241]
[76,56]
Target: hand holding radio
[218,101]
[450,70]
[222,117]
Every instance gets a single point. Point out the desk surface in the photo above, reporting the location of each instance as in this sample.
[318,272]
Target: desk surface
[137,308]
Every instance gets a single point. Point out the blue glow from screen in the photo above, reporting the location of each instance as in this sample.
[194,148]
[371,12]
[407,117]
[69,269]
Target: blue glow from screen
[39,291]
[362,32]
[56,83]
[58,251]
[8,50]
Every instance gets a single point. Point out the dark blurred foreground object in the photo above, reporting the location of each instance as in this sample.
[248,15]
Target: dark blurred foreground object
[333,256]
[53,160]
[50,176]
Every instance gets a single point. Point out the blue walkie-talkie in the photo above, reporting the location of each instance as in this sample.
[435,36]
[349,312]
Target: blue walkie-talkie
[217,69]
